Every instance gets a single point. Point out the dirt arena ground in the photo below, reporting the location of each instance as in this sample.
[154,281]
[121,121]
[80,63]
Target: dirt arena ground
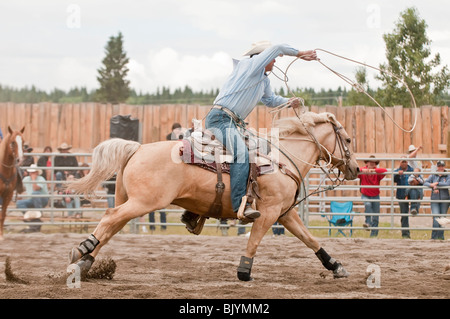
[204,267]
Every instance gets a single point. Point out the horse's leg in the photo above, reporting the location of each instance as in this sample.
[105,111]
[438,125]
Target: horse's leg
[294,224]
[112,221]
[2,219]
[259,229]
[5,203]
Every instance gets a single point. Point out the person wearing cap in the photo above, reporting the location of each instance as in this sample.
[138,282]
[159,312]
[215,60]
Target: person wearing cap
[247,85]
[371,175]
[401,179]
[439,184]
[36,190]
[65,160]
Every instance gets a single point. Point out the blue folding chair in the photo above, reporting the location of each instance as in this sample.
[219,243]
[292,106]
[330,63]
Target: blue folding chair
[343,220]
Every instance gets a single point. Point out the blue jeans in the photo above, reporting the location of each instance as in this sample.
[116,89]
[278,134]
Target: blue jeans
[404,220]
[74,203]
[162,219]
[372,208]
[438,208]
[33,202]
[415,193]
[225,130]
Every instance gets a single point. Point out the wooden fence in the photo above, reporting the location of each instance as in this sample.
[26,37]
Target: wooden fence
[85,125]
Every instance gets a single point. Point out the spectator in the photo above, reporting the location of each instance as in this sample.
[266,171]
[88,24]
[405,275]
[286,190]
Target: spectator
[372,176]
[32,216]
[46,161]
[110,190]
[401,179]
[69,200]
[412,153]
[64,160]
[35,184]
[162,219]
[438,183]
[27,160]
[277,230]
[176,134]
[415,192]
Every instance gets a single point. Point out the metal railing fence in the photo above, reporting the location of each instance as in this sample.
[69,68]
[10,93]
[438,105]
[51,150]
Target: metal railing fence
[311,208]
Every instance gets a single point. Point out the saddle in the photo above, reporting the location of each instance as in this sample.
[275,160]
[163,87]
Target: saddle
[203,150]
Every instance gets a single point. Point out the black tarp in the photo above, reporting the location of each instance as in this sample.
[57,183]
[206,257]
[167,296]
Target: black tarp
[123,126]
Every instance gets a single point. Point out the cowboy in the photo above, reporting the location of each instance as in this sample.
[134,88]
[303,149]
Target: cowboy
[35,185]
[64,160]
[247,85]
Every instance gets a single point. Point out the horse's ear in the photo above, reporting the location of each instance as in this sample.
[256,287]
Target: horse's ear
[10,130]
[22,130]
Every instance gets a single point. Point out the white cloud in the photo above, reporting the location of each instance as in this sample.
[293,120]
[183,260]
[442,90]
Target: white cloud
[169,68]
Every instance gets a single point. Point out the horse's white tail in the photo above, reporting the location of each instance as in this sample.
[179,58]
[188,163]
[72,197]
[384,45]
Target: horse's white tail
[107,158]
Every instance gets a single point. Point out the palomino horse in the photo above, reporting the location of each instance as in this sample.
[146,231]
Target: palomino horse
[11,153]
[152,176]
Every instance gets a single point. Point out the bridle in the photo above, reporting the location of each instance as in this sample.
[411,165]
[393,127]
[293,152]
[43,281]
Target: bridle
[342,144]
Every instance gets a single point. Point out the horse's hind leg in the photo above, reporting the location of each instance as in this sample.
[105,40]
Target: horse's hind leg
[2,219]
[294,224]
[113,221]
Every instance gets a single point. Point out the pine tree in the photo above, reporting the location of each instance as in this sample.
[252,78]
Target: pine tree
[408,54]
[114,88]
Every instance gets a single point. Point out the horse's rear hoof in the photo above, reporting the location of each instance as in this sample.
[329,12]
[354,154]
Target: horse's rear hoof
[340,272]
[245,268]
[74,255]
[85,264]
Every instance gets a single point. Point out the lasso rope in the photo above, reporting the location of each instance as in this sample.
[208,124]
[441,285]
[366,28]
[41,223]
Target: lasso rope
[358,87]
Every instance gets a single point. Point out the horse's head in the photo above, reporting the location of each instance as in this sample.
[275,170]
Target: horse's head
[333,144]
[15,143]
[338,149]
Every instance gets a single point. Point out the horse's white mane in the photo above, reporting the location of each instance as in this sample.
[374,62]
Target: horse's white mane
[290,125]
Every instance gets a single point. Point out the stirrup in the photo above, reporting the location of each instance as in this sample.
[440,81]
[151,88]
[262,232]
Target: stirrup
[251,213]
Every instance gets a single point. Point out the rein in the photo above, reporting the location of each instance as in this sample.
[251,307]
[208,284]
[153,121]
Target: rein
[335,182]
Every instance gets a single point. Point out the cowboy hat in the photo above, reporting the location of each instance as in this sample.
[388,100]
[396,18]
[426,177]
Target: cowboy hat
[32,214]
[33,168]
[257,48]
[64,146]
[375,161]
[411,148]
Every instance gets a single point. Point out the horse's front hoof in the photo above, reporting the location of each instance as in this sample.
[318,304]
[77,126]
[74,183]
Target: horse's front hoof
[340,272]
[245,268]
[242,276]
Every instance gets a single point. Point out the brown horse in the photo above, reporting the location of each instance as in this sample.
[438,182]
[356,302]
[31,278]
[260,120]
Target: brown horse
[11,153]
[152,176]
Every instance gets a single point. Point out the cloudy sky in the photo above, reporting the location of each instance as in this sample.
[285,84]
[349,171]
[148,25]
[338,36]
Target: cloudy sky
[173,43]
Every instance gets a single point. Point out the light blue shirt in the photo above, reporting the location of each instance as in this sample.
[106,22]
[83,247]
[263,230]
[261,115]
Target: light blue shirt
[248,84]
